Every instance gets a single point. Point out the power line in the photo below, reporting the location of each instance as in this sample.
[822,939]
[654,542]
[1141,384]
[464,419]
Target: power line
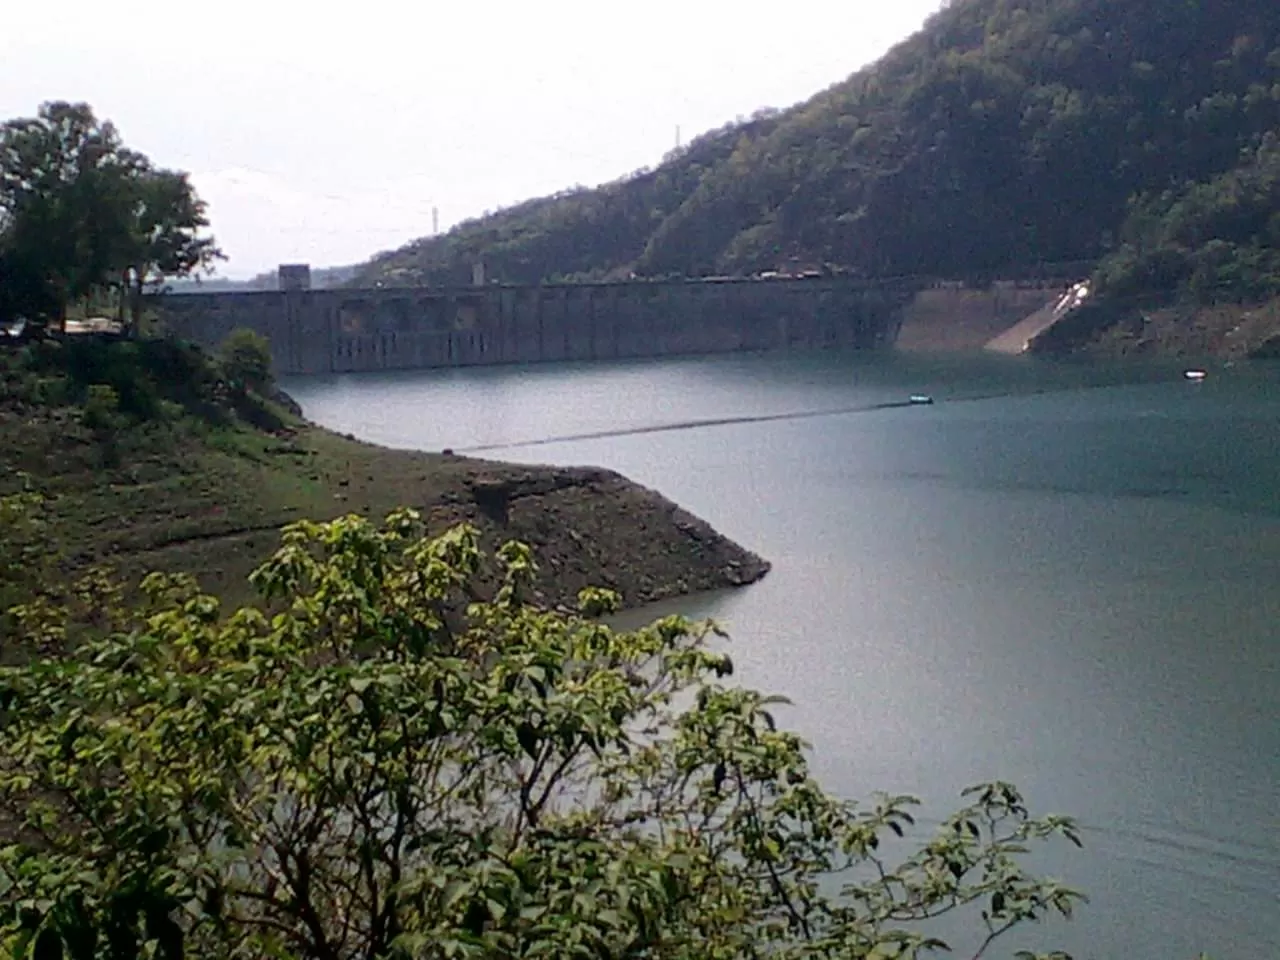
[363,199]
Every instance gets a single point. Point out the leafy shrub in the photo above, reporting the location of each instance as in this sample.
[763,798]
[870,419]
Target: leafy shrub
[101,411]
[52,391]
[148,376]
[371,763]
[23,550]
[246,359]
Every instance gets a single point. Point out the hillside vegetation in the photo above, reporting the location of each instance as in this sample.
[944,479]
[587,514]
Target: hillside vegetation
[1005,134]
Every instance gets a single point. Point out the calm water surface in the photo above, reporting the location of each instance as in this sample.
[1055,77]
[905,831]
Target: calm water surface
[1063,575]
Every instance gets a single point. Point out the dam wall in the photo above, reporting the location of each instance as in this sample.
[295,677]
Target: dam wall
[351,330]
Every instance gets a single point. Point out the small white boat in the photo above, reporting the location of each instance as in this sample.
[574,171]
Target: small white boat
[920,398]
[1194,374]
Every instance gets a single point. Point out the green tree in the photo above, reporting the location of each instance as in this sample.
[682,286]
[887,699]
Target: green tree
[79,212]
[1211,240]
[58,175]
[162,240]
[395,755]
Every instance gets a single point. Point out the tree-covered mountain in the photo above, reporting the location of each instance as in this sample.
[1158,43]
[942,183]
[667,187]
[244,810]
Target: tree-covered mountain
[573,234]
[1209,240]
[1004,134]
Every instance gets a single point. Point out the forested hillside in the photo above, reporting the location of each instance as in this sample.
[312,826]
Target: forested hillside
[1005,133]
[575,234]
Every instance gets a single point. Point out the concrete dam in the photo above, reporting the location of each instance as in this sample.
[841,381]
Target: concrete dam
[352,330]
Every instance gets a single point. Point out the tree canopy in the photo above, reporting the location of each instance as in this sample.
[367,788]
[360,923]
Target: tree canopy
[393,754]
[1218,239]
[80,214]
[1004,135]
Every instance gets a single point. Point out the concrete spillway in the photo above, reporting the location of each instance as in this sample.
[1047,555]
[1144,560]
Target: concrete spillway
[1017,339]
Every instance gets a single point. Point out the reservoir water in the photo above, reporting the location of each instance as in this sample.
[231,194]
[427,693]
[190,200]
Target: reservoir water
[1063,575]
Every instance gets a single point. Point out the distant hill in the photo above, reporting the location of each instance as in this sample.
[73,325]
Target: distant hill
[321,278]
[212,285]
[1004,134]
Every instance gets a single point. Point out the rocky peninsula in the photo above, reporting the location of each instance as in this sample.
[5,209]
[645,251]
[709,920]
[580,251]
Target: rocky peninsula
[203,486]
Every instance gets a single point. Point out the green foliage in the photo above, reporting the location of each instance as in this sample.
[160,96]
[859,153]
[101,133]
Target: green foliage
[246,357]
[394,755]
[143,374]
[79,212]
[1217,239]
[58,173]
[101,415]
[18,383]
[577,234]
[23,550]
[41,609]
[101,410]
[147,376]
[1005,135]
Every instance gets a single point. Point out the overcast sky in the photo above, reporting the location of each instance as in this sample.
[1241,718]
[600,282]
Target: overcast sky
[327,133]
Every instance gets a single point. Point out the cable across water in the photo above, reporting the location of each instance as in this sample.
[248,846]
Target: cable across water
[689,425]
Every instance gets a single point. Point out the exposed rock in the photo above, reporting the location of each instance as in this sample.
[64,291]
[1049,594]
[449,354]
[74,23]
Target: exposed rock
[1230,331]
[593,527]
[177,503]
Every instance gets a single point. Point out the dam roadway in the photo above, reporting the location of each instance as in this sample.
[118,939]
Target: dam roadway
[346,330]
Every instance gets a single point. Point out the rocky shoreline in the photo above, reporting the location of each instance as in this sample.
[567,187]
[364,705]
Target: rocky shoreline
[590,527]
[211,503]
[587,527]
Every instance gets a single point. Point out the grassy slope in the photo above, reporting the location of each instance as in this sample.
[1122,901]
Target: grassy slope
[187,495]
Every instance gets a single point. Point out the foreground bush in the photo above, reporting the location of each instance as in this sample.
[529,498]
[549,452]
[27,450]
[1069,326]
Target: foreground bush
[396,756]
